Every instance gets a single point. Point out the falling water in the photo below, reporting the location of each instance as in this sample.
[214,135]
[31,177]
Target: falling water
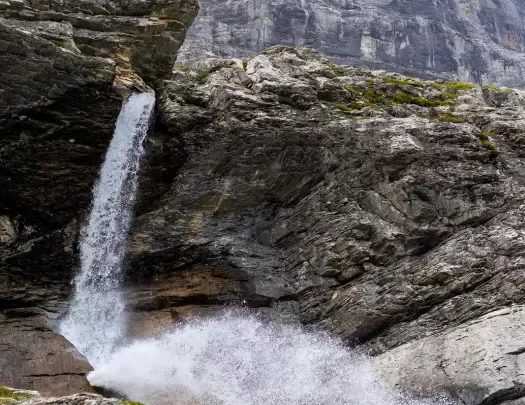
[307,20]
[95,322]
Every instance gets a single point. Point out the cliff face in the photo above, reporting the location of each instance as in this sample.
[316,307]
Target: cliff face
[386,210]
[479,41]
[65,68]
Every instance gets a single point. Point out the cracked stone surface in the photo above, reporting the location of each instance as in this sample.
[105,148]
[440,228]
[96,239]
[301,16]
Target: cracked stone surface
[379,223]
[471,40]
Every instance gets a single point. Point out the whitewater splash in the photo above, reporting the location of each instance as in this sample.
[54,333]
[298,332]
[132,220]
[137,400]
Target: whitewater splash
[239,360]
[96,322]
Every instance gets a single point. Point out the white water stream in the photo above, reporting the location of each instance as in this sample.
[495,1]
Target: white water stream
[228,360]
[95,322]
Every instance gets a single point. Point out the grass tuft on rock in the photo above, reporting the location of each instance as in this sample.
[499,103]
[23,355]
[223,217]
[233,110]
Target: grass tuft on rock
[7,395]
[447,117]
[402,82]
[128,402]
[458,86]
[487,144]
[202,76]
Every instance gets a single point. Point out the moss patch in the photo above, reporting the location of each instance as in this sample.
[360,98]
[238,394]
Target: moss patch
[202,76]
[245,65]
[458,86]
[343,107]
[7,396]
[485,142]
[402,82]
[127,402]
[446,117]
[338,70]
[353,90]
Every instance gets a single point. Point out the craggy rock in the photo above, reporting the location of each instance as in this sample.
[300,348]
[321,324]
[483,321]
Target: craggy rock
[65,69]
[77,399]
[473,40]
[383,209]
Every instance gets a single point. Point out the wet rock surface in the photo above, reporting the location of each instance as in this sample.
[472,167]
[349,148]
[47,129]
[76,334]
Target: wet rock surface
[65,69]
[384,209]
[472,40]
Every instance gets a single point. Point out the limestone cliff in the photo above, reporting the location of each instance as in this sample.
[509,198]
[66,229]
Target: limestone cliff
[479,41]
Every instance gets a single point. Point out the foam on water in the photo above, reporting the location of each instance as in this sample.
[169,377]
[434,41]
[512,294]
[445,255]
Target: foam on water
[239,360]
[95,322]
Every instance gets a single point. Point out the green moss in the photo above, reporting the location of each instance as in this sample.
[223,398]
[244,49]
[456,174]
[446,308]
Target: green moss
[447,117]
[449,96]
[509,91]
[485,142]
[491,87]
[338,70]
[180,68]
[58,42]
[6,395]
[403,98]
[370,81]
[402,82]
[352,90]
[245,65]
[4,275]
[202,76]
[128,402]
[342,107]
[453,85]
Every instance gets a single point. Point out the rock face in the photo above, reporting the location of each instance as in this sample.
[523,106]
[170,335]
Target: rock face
[384,209]
[482,359]
[77,399]
[65,68]
[479,41]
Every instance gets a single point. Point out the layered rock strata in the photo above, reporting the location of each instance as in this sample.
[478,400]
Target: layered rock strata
[384,209]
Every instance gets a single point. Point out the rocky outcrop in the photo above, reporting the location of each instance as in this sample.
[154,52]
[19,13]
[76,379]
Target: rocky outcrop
[482,360]
[77,399]
[65,68]
[479,41]
[384,209]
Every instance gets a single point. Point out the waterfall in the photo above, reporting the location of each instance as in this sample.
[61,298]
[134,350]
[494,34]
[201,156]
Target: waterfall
[307,20]
[96,322]
[232,359]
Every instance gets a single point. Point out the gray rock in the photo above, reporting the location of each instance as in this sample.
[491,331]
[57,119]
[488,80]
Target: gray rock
[479,361]
[339,198]
[77,399]
[481,41]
